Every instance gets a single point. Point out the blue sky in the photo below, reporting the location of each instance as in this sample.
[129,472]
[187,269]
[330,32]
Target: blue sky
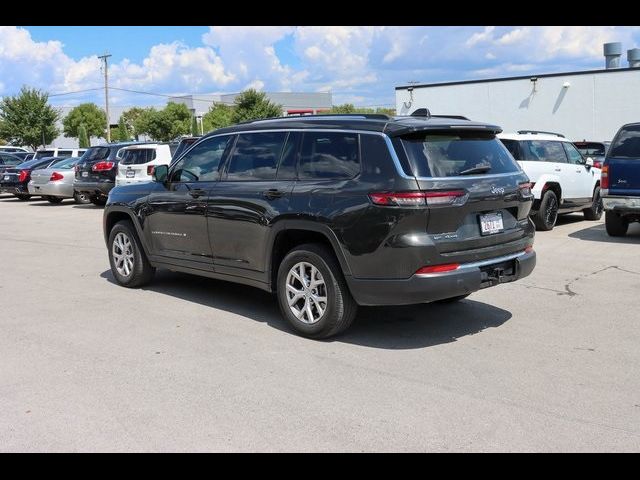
[360,65]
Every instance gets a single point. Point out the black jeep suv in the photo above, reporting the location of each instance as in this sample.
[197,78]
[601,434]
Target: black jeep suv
[332,212]
[96,171]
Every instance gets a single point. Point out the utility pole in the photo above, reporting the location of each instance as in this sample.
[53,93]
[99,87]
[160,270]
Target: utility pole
[106,93]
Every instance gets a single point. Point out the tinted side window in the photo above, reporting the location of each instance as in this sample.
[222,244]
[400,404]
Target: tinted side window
[329,155]
[573,154]
[376,159]
[287,168]
[543,151]
[256,156]
[513,147]
[65,153]
[627,143]
[201,163]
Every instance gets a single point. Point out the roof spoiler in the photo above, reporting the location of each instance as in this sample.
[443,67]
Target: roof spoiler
[535,132]
[424,112]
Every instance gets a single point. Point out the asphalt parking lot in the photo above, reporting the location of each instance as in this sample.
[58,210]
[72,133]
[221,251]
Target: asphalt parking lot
[188,364]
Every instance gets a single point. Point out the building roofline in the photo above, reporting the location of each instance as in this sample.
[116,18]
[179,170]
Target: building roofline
[519,77]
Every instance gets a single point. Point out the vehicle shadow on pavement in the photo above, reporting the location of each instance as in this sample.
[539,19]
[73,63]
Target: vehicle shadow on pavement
[598,233]
[399,327]
[569,219]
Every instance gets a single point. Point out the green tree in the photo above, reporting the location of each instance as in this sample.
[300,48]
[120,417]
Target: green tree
[350,108]
[251,105]
[123,131]
[218,116]
[88,114]
[166,124]
[28,119]
[131,118]
[345,108]
[83,138]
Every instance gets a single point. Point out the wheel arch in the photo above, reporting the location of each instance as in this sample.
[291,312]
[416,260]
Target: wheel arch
[115,215]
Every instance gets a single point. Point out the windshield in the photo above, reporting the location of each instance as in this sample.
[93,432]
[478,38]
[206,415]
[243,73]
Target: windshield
[627,143]
[137,156]
[448,154]
[588,149]
[67,163]
[96,153]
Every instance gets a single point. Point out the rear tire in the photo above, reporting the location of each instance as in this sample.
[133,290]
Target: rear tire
[324,303]
[597,207]
[452,299]
[547,215]
[54,200]
[81,198]
[23,197]
[129,264]
[616,225]
[97,201]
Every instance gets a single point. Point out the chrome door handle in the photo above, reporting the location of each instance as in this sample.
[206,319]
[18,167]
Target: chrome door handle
[558,169]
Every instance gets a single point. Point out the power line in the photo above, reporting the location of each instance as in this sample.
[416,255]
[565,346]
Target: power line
[76,91]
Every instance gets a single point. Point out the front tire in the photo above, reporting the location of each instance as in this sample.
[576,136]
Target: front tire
[313,294]
[597,207]
[547,215]
[616,225]
[23,197]
[129,264]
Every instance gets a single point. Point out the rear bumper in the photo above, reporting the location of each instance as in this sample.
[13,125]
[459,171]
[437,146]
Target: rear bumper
[64,190]
[621,204]
[468,278]
[99,189]
[15,188]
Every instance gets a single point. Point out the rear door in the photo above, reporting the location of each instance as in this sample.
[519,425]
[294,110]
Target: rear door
[623,162]
[476,201]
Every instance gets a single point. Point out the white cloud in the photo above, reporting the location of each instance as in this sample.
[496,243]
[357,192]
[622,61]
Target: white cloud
[480,37]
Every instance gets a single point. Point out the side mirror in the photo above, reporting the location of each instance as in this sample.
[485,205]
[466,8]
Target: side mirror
[589,162]
[160,173]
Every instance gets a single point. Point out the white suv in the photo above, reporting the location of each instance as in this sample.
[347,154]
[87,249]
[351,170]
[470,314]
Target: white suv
[59,152]
[137,162]
[562,180]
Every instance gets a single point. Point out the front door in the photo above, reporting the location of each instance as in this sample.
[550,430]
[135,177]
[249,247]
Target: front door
[176,223]
[582,176]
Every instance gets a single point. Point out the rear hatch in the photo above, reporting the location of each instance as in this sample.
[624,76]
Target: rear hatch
[40,177]
[621,174]
[136,165]
[479,198]
[95,166]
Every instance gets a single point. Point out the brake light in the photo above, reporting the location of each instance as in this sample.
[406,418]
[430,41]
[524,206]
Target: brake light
[56,176]
[448,267]
[525,188]
[150,170]
[103,166]
[23,176]
[604,177]
[416,199]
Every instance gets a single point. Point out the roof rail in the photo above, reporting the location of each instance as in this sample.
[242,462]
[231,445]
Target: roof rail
[364,116]
[457,117]
[535,132]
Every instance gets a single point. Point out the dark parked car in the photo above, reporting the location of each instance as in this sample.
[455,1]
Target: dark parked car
[621,181]
[15,179]
[596,150]
[184,144]
[332,212]
[96,171]
[9,160]
[23,156]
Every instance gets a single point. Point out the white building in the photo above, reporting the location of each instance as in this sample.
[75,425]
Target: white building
[589,105]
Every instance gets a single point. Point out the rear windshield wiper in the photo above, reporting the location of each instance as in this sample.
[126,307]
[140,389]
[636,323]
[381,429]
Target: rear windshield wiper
[478,169]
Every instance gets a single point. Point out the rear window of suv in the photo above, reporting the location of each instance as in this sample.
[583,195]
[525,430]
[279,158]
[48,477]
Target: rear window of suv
[97,153]
[137,156]
[449,154]
[627,143]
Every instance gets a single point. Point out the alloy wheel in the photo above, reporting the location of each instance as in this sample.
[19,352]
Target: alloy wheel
[306,293]
[122,252]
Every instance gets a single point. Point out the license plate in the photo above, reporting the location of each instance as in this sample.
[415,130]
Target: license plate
[7,177]
[85,174]
[131,173]
[491,223]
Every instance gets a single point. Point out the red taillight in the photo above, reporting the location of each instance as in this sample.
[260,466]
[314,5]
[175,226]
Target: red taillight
[103,166]
[604,178]
[150,170]
[526,187]
[56,176]
[23,176]
[448,267]
[414,199]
